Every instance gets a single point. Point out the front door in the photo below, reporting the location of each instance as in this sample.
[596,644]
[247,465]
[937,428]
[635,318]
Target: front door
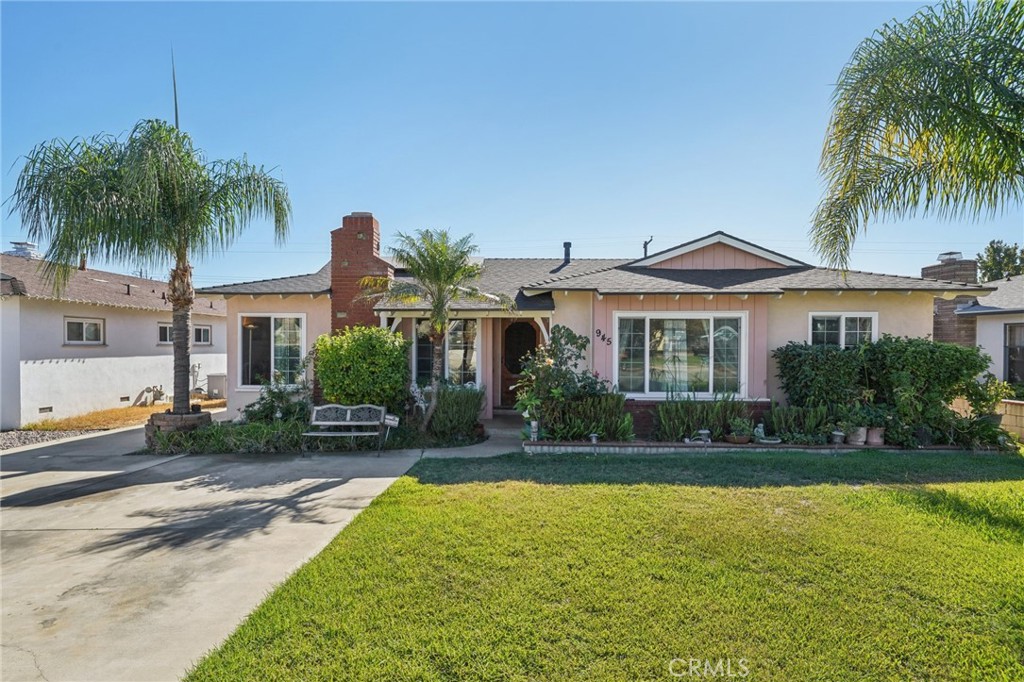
[518,337]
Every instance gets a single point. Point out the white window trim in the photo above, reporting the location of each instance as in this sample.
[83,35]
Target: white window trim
[170,329]
[86,320]
[842,315]
[744,316]
[477,345]
[207,327]
[250,388]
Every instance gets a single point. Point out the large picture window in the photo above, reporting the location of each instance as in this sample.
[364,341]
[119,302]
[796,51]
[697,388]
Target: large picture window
[846,330]
[698,353]
[271,348]
[460,353]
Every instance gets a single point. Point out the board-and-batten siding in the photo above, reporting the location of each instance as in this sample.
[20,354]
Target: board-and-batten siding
[716,257]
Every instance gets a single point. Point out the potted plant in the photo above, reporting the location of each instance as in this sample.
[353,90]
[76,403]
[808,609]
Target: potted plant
[854,425]
[741,430]
[877,418]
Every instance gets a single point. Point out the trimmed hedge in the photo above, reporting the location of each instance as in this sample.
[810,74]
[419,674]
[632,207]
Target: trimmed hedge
[360,365]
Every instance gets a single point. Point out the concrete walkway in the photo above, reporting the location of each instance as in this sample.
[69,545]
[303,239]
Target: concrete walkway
[130,567]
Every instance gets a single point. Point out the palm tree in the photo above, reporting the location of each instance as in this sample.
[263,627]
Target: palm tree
[928,115]
[147,201]
[442,274]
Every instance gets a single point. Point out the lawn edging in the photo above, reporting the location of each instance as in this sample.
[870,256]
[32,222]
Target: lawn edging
[659,448]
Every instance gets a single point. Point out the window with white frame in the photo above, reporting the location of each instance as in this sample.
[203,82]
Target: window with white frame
[165,332]
[846,330]
[271,348]
[84,331]
[202,335]
[460,352]
[672,353]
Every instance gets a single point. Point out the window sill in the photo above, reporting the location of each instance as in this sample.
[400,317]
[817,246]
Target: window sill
[84,345]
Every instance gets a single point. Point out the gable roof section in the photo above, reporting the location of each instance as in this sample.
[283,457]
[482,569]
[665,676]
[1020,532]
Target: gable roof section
[629,279]
[718,237]
[318,282]
[1008,297]
[22,277]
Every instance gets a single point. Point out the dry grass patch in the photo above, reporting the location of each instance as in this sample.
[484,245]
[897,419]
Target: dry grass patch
[114,418]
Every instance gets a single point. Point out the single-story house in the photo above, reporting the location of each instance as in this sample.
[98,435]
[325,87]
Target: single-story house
[104,342]
[999,320]
[701,317]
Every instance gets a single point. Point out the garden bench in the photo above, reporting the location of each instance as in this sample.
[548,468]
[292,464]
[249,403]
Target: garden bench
[355,420]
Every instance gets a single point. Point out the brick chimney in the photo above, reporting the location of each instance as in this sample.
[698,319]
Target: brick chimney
[355,253]
[947,326]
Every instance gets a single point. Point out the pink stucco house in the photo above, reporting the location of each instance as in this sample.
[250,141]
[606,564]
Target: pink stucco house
[701,317]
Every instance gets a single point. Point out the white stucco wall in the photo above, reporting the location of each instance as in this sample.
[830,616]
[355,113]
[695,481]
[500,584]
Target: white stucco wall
[992,339]
[10,371]
[75,379]
[318,321]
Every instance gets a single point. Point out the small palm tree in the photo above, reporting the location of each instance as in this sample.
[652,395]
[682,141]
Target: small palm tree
[442,274]
[928,114]
[147,201]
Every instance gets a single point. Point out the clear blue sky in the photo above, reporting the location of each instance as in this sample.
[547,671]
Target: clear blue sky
[525,124]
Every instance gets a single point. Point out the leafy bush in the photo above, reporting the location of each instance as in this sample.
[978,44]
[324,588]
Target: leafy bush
[568,400]
[681,419]
[576,419]
[363,365]
[278,402]
[457,413]
[256,437]
[817,375]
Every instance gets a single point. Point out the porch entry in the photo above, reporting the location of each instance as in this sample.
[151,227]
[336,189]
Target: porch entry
[516,338]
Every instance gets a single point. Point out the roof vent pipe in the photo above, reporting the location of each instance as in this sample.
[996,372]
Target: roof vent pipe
[568,247]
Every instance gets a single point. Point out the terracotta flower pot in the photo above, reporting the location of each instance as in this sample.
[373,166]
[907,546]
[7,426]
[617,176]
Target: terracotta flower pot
[858,435]
[876,435]
[737,440]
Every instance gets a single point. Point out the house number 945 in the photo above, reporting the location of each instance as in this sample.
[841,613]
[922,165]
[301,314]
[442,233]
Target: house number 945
[601,336]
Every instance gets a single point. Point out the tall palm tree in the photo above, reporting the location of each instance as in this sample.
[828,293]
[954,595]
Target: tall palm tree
[146,201]
[928,115]
[442,274]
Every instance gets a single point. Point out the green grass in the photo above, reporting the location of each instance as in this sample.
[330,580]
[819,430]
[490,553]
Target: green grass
[858,566]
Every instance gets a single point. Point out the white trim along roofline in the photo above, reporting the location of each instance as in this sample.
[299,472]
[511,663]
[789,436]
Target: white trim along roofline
[718,238]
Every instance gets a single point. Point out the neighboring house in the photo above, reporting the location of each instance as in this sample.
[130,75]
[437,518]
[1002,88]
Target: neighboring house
[104,342]
[999,321]
[701,317]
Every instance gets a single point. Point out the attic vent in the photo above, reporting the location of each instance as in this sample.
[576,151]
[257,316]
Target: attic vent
[24,250]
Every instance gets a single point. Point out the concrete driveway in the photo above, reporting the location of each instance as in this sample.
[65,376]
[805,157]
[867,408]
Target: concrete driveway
[128,567]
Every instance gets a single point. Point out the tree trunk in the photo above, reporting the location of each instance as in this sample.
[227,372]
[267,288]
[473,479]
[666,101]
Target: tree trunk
[181,295]
[436,368]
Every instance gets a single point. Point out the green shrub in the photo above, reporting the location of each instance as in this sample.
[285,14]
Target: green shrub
[278,402]
[576,419]
[253,438]
[799,425]
[681,419]
[820,375]
[457,413]
[363,365]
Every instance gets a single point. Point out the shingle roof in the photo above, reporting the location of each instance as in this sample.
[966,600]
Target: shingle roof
[1007,298]
[318,282]
[632,280]
[506,276]
[22,277]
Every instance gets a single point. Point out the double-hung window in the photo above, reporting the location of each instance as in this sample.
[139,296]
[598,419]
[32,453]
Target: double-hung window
[846,330]
[271,348]
[460,352]
[672,353]
[83,331]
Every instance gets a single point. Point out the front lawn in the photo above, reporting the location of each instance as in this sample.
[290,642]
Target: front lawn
[789,566]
